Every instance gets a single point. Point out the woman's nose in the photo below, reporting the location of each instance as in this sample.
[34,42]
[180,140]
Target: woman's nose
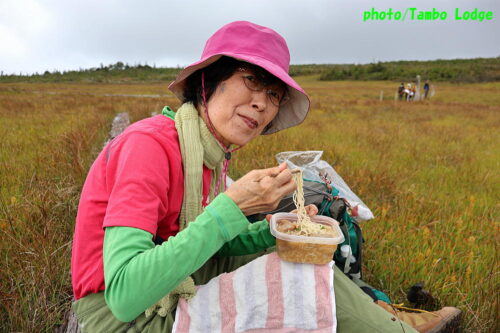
[259,100]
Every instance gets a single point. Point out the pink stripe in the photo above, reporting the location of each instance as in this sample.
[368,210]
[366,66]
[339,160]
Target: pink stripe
[276,309]
[323,296]
[227,303]
[183,320]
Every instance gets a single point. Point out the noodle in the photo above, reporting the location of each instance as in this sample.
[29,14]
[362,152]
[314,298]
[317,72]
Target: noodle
[305,226]
[298,199]
[312,249]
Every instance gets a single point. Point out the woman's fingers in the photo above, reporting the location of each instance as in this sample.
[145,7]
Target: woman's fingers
[284,177]
[261,190]
[278,186]
[311,210]
[288,187]
[270,172]
[282,166]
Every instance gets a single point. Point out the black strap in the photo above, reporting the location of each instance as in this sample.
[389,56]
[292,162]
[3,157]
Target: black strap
[158,240]
[370,293]
[129,326]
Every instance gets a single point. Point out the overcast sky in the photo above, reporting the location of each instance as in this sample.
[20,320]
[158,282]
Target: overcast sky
[39,35]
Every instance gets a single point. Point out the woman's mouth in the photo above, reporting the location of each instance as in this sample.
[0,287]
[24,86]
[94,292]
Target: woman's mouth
[252,123]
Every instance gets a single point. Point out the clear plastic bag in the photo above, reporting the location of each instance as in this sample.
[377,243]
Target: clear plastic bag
[313,168]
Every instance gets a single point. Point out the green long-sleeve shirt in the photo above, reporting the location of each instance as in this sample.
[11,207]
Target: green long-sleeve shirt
[138,274]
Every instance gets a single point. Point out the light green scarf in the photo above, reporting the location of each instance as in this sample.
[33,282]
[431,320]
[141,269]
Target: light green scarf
[198,148]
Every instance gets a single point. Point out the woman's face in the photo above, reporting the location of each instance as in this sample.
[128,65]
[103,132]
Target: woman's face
[239,113]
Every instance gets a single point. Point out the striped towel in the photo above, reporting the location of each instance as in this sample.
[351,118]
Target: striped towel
[265,295]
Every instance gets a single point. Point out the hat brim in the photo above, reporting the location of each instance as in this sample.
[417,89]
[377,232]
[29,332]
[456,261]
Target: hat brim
[290,114]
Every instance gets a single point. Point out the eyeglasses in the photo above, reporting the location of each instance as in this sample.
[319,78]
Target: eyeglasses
[277,95]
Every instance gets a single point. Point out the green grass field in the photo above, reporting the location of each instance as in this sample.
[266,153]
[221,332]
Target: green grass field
[428,170]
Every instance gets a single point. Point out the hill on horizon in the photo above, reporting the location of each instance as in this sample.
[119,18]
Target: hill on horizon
[454,70]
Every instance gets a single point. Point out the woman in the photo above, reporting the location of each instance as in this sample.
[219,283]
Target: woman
[163,182]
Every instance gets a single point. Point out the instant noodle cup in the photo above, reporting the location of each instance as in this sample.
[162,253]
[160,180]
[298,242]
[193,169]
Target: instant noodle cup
[310,249]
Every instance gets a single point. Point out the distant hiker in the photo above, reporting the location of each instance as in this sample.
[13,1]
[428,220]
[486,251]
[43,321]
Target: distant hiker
[413,91]
[407,92]
[426,88]
[401,90]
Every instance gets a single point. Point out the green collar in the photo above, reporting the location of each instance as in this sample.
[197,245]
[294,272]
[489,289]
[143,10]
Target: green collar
[167,111]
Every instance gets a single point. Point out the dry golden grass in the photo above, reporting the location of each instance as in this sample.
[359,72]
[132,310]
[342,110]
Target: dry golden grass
[428,170]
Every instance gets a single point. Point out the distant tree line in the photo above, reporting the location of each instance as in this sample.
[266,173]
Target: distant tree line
[118,72]
[458,70]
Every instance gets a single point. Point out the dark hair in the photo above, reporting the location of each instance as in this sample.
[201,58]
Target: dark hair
[215,73]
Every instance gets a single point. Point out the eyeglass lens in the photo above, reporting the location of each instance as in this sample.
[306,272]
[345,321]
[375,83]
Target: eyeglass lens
[272,93]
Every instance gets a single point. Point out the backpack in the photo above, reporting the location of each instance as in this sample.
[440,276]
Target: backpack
[326,198]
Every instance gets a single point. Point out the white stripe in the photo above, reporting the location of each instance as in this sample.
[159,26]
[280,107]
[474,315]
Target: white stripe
[250,291]
[260,292]
[332,293]
[204,308]
[289,287]
[214,308]
[176,319]
[299,293]
[195,305]
[239,285]
[309,298]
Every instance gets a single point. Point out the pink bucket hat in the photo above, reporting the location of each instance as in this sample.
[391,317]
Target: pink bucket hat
[262,47]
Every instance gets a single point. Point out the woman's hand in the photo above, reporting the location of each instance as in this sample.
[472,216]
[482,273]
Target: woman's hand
[261,190]
[311,210]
